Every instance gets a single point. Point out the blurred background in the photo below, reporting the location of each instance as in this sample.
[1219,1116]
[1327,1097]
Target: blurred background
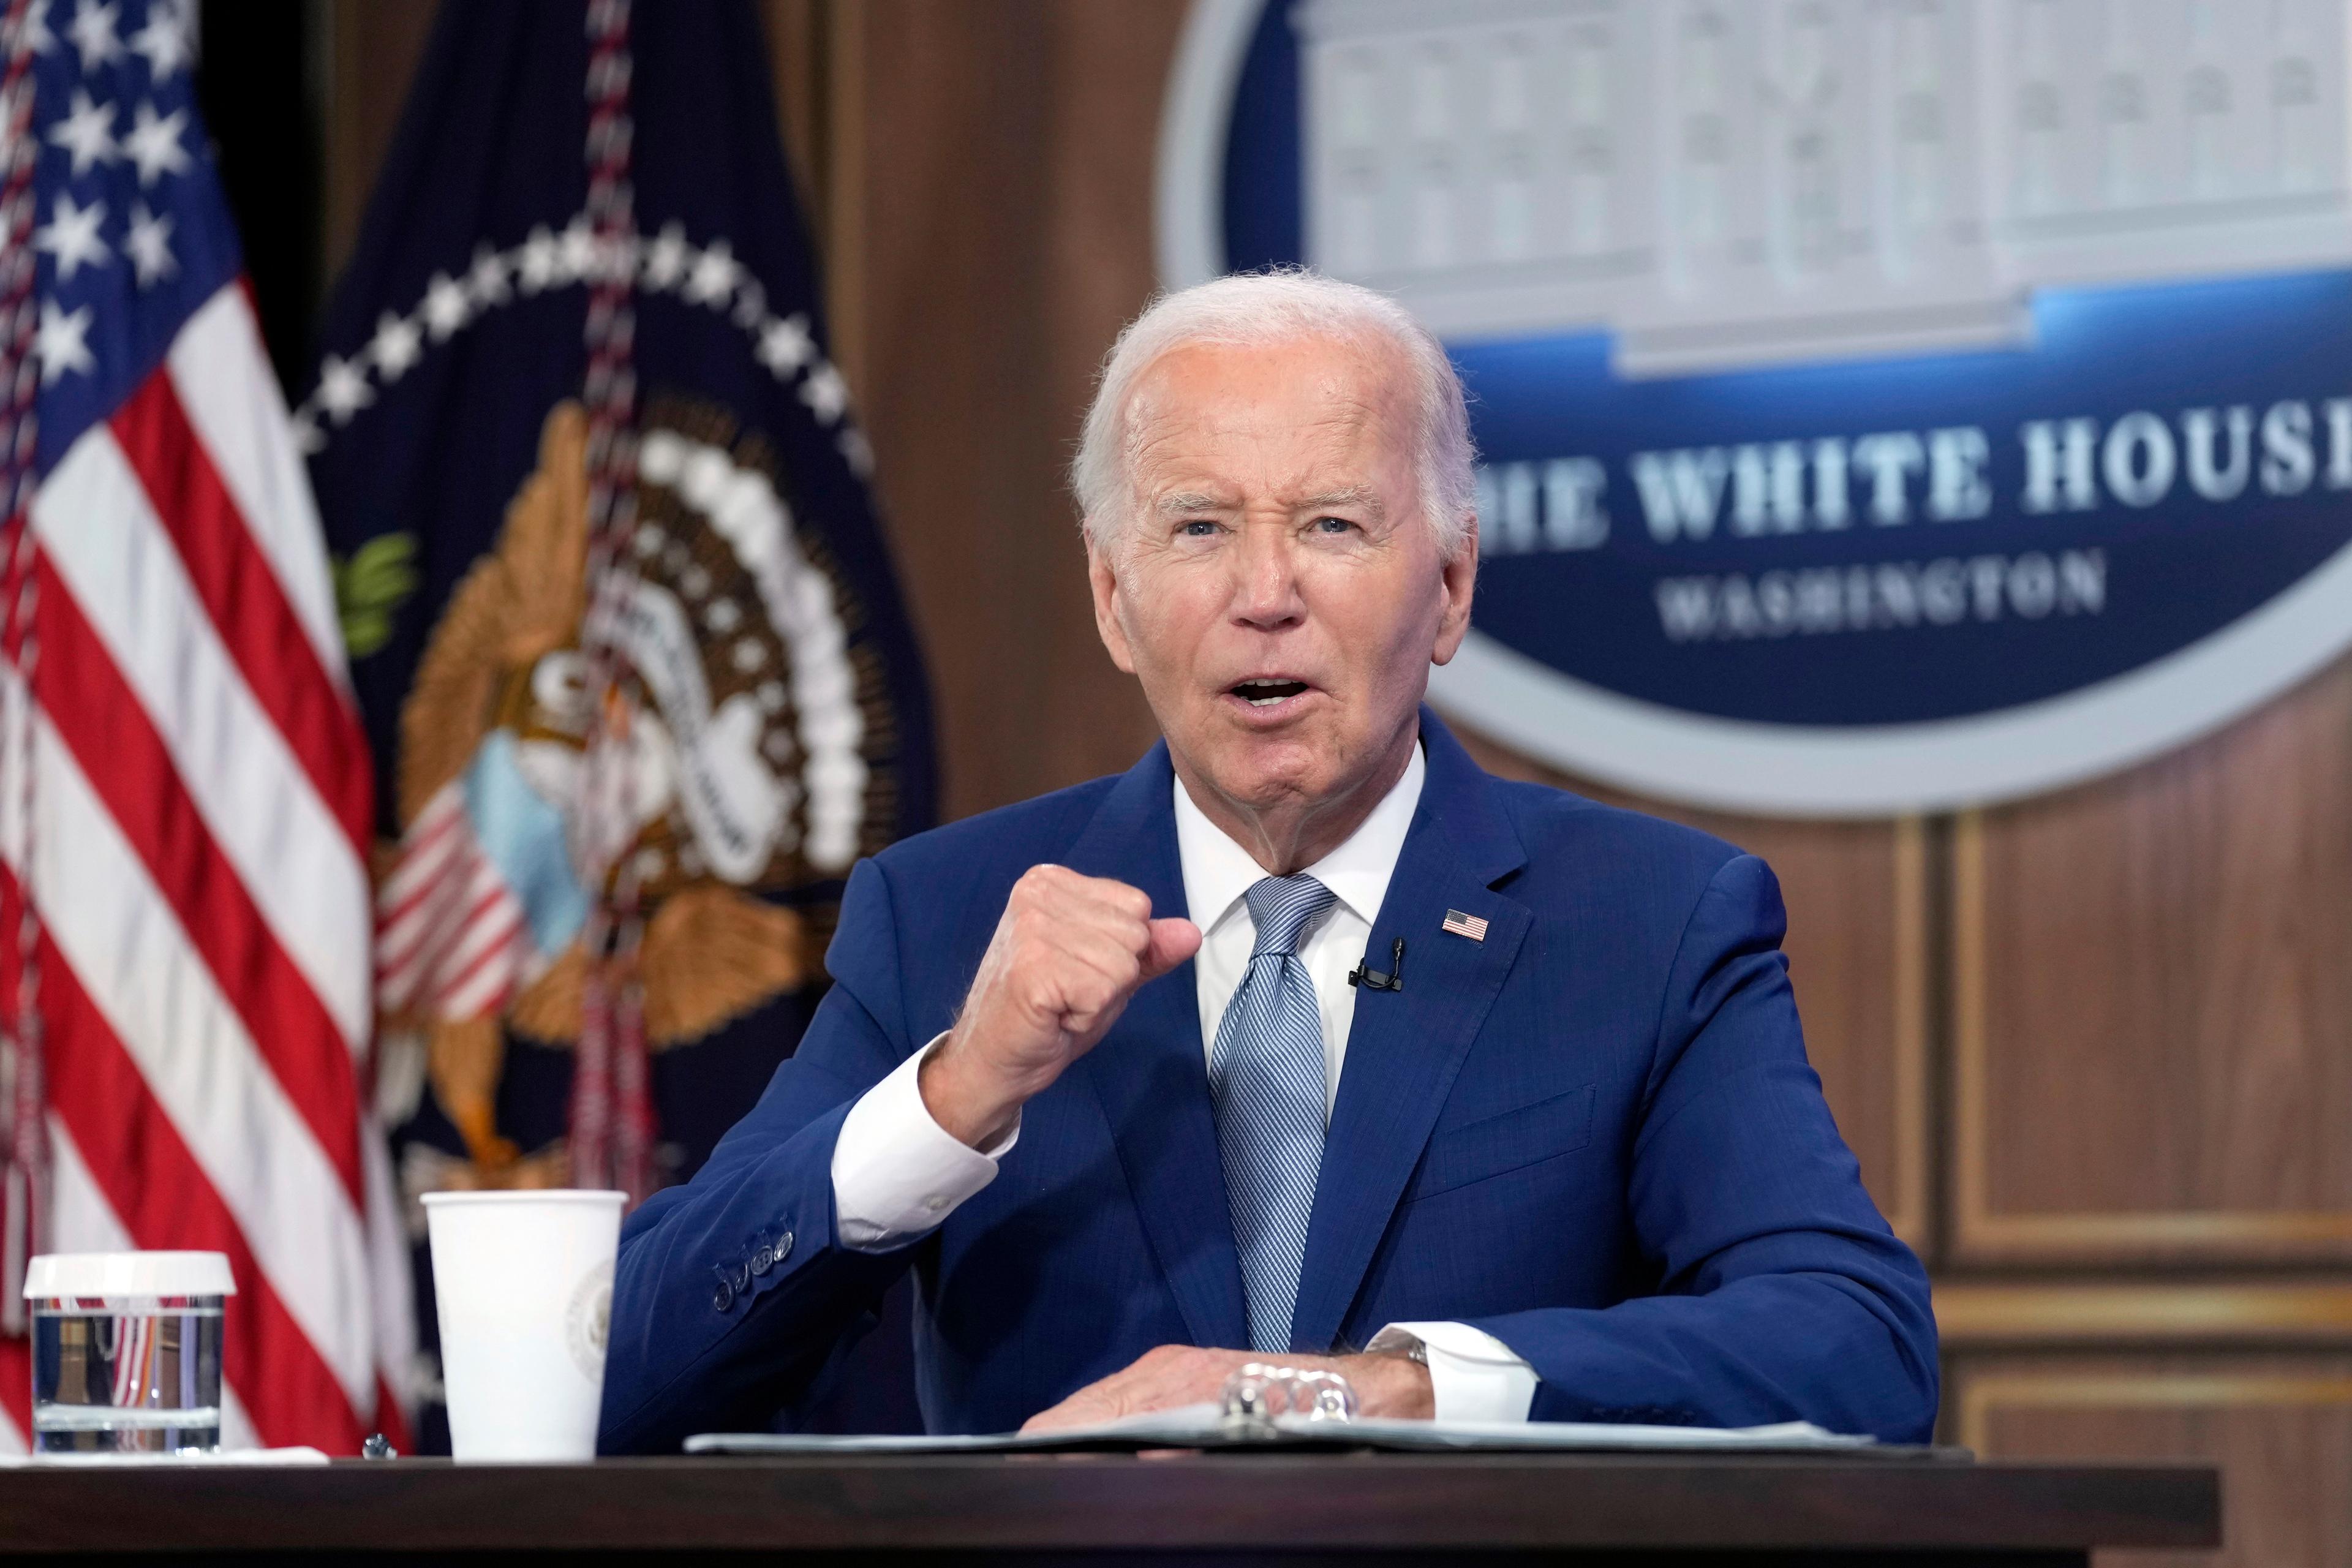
[1916,450]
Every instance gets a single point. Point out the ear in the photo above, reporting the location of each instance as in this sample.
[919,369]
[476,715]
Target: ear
[1456,578]
[1104,583]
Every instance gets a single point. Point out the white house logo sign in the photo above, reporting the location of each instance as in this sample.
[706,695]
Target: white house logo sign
[1883,407]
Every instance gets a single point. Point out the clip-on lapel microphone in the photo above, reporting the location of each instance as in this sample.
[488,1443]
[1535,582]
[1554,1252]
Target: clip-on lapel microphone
[1371,979]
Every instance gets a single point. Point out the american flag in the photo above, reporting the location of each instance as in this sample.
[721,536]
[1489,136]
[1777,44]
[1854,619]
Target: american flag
[188,1012]
[1472,926]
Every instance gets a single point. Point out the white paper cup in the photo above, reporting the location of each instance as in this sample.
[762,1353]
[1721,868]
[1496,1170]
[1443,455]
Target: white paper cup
[523,1281]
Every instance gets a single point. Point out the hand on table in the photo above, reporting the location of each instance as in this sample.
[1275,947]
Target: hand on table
[1068,953]
[1386,1385]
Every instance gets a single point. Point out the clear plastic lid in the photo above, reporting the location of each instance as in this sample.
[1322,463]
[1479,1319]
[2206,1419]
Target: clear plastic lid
[128,1274]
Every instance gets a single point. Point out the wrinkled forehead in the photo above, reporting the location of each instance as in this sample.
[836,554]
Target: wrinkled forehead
[1282,420]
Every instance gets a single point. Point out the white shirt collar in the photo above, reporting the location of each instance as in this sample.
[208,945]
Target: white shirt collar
[1218,871]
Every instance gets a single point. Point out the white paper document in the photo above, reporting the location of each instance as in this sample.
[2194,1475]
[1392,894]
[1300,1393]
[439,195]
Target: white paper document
[217,1457]
[1202,1426]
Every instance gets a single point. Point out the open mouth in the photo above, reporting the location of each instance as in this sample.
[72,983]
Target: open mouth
[1268,692]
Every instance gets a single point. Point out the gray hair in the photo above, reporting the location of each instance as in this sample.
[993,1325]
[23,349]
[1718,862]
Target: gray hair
[1258,309]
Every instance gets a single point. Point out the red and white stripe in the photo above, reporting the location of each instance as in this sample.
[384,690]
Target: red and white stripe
[451,937]
[198,859]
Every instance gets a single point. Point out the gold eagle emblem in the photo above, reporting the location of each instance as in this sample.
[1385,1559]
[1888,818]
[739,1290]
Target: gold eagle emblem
[743,774]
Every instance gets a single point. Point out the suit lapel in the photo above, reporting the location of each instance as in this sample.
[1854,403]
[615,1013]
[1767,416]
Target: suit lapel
[1151,1076]
[1405,1046]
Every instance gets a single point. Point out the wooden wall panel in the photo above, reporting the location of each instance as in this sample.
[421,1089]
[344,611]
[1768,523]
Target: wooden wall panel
[802,37]
[2279,1426]
[2187,1311]
[373,48]
[1858,955]
[2153,1006]
[1006,235]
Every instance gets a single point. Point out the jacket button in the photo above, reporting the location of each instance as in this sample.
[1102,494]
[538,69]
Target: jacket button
[783,1247]
[743,1279]
[763,1260]
[724,1298]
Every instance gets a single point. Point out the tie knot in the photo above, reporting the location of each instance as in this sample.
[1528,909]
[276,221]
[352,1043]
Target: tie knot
[1282,908]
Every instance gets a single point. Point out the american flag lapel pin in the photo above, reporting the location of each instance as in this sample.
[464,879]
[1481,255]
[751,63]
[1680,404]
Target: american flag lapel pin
[1472,926]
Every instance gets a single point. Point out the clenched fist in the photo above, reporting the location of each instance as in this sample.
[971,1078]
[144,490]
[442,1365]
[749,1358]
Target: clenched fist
[1067,954]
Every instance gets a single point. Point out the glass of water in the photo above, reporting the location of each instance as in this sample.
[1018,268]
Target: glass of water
[127,1351]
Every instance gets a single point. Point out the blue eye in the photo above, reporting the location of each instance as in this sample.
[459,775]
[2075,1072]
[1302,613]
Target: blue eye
[1199,528]
[1333,524]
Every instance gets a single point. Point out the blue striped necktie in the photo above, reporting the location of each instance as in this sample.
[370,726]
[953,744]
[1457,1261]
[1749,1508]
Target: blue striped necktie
[1266,1078]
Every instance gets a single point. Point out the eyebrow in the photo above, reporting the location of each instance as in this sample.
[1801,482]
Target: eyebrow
[1355,497]
[1192,503]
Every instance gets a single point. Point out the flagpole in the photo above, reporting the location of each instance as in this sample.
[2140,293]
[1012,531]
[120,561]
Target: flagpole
[25,1225]
[612,1121]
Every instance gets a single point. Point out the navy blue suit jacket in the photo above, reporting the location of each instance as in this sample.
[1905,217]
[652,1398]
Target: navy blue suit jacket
[1594,1135]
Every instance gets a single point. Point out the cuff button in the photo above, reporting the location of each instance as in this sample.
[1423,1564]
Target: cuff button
[783,1247]
[724,1298]
[763,1260]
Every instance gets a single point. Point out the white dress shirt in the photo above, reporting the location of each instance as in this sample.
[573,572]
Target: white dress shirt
[897,1174]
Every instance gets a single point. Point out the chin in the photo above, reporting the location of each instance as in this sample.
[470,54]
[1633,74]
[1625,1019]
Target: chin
[1265,772]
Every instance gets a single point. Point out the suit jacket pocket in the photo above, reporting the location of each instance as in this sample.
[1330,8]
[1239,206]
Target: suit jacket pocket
[1504,1143]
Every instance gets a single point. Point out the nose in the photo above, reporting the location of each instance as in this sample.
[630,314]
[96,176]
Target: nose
[1266,581]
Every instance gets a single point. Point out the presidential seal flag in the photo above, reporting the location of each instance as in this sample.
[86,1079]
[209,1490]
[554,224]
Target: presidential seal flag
[186,800]
[622,626]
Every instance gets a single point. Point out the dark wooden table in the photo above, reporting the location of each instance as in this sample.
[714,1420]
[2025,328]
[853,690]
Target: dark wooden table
[1227,1509]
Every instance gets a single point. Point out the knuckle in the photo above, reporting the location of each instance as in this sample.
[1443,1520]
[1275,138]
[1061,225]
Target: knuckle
[1035,883]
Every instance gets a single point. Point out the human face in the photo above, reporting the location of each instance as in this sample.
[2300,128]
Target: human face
[1277,590]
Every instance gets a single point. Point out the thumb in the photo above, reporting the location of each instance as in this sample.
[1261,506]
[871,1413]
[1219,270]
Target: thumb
[1172,942]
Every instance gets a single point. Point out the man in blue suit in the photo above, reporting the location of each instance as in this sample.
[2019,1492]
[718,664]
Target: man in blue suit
[1305,1036]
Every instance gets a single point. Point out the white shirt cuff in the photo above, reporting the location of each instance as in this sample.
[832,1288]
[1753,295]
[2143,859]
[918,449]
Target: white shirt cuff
[897,1172]
[1472,1375]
